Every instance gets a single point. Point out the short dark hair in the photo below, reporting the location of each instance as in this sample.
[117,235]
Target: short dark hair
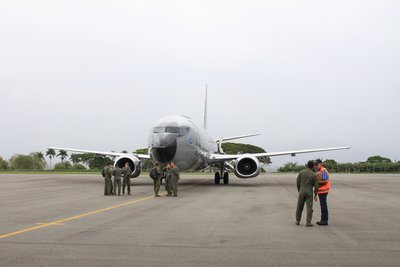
[310,164]
[318,161]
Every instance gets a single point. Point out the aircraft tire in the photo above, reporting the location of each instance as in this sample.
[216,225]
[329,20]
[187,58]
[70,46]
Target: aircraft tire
[226,178]
[217,177]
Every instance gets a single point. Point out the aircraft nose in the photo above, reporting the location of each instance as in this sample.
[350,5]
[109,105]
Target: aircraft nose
[164,147]
[163,140]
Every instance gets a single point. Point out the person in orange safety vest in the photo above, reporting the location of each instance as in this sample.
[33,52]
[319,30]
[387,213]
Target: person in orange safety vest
[323,190]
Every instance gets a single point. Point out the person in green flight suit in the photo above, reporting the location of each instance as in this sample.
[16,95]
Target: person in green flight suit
[307,180]
[156,173]
[117,173]
[127,179]
[168,179]
[107,174]
[174,178]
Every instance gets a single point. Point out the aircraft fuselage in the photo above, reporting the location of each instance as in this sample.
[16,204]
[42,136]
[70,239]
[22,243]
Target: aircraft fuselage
[178,139]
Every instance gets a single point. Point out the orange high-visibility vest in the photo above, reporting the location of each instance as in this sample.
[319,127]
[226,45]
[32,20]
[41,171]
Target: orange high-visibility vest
[324,189]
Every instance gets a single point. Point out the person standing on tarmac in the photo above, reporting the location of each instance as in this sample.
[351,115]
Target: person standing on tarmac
[168,179]
[324,188]
[107,174]
[117,173]
[127,179]
[174,178]
[156,174]
[306,181]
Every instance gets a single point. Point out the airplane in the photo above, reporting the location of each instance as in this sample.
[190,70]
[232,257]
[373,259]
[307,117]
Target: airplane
[178,139]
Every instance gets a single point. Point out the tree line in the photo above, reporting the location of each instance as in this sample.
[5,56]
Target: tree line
[37,161]
[374,164]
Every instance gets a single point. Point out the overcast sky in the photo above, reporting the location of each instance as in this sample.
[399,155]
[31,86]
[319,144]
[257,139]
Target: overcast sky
[305,74]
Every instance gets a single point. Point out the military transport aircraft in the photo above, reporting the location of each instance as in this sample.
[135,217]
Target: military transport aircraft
[178,139]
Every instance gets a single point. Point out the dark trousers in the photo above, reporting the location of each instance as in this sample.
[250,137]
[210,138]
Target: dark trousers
[127,183]
[323,201]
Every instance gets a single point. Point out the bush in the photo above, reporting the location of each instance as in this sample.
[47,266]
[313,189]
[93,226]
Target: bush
[27,162]
[3,164]
[376,164]
[78,167]
[66,165]
[291,167]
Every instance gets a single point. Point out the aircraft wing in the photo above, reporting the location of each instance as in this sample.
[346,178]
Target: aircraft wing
[112,154]
[222,157]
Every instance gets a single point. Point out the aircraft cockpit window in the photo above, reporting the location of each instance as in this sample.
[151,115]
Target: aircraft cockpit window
[183,131]
[172,129]
[159,130]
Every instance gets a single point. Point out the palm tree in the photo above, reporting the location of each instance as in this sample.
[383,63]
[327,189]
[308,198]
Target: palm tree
[51,153]
[74,158]
[40,155]
[62,154]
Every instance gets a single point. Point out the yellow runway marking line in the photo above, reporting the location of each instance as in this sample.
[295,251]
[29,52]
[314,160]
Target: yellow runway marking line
[57,224]
[60,222]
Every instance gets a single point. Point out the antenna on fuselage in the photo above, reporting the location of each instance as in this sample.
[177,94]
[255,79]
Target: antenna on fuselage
[205,111]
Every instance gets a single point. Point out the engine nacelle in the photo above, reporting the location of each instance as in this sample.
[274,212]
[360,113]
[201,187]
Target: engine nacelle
[134,163]
[247,166]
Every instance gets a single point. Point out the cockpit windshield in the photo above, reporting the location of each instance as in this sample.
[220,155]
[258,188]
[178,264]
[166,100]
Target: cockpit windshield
[182,131]
[159,130]
[172,129]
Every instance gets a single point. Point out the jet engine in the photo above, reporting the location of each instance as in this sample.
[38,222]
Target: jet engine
[134,163]
[247,166]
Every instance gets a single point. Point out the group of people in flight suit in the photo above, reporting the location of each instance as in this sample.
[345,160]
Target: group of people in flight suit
[170,173]
[119,174]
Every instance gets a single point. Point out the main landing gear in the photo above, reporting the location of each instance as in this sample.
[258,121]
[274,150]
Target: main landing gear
[218,178]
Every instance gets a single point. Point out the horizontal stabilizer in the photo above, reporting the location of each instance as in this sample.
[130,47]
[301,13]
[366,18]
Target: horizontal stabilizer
[236,137]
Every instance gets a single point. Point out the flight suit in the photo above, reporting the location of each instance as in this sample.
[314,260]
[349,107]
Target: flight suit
[107,171]
[306,181]
[168,181]
[164,176]
[127,180]
[117,173]
[174,180]
[157,180]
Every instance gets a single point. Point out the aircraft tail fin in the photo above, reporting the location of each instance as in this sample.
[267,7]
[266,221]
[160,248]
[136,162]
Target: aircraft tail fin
[205,111]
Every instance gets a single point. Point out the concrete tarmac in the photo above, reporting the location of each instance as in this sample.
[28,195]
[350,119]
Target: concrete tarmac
[65,220]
